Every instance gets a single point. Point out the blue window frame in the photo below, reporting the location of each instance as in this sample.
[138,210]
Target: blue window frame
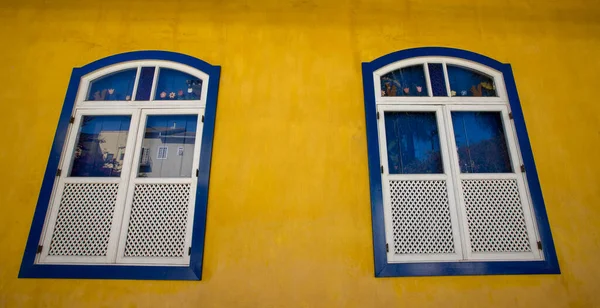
[480,143]
[99,153]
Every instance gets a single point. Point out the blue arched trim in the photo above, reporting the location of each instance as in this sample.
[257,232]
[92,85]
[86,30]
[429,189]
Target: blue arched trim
[382,267]
[194,271]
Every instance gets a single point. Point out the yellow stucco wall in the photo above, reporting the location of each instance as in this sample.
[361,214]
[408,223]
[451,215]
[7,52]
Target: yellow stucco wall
[289,212]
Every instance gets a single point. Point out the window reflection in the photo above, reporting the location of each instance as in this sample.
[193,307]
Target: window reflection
[176,85]
[113,87]
[100,146]
[413,144]
[481,142]
[168,146]
[407,81]
[467,82]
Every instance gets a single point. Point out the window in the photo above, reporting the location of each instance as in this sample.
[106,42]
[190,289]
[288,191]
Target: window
[107,209]
[454,188]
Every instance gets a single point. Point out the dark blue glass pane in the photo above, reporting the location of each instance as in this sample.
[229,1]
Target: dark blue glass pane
[176,85]
[413,144]
[113,87]
[100,146]
[481,142]
[438,82]
[466,82]
[145,84]
[407,81]
[168,146]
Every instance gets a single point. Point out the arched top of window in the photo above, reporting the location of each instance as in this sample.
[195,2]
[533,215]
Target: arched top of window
[143,82]
[436,78]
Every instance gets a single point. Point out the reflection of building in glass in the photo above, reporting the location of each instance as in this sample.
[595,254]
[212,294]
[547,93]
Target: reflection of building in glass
[161,148]
[100,154]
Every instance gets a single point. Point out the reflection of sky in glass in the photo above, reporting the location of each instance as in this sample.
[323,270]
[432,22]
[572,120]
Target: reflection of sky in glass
[176,85]
[481,142]
[407,81]
[176,133]
[413,143]
[121,84]
[100,146]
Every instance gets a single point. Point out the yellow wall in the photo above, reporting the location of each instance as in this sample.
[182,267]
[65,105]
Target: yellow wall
[289,220]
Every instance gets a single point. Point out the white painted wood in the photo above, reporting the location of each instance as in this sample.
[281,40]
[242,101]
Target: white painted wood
[131,160]
[134,180]
[446,176]
[515,175]
[65,178]
[497,76]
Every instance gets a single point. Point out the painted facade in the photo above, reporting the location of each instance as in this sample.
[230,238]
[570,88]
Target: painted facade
[289,218]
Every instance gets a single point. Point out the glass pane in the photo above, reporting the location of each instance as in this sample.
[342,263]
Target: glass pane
[407,81]
[466,82]
[481,142]
[145,84]
[100,146]
[168,146]
[413,144]
[113,87]
[438,81]
[176,85]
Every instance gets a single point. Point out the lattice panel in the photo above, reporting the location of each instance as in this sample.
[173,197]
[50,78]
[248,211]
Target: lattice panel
[495,216]
[85,216]
[421,217]
[158,220]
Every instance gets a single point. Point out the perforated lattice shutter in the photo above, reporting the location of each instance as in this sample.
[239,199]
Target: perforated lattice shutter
[421,217]
[84,220]
[157,226]
[495,216]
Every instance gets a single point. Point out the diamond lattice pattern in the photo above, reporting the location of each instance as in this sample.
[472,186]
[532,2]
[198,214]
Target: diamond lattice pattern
[495,216]
[84,220]
[157,226]
[421,217]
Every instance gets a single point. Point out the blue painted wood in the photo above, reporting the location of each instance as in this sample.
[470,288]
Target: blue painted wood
[192,272]
[384,269]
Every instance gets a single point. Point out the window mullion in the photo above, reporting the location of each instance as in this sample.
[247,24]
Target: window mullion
[454,173]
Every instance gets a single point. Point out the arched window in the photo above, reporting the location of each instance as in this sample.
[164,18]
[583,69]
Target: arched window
[454,188]
[126,185]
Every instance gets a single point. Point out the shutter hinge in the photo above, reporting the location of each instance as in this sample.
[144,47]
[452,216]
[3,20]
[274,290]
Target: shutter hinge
[381,169]
[190,251]
[72,120]
[522,168]
[203,119]
[197,172]
[58,172]
[39,249]
[510,115]
[377,115]
[387,247]
[539,245]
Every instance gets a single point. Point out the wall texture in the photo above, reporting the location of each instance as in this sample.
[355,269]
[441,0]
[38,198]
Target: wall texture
[289,214]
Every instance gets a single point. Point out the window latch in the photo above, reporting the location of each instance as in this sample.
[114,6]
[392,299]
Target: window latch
[58,172]
[387,247]
[190,251]
[197,172]
[39,249]
[510,115]
[72,120]
[522,168]
[539,244]
[377,115]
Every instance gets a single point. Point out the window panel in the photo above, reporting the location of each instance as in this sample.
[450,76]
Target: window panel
[145,84]
[481,142]
[165,134]
[100,145]
[407,81]
[468,82]
[113,87]
[413,145]
[176,85]
[438,81]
